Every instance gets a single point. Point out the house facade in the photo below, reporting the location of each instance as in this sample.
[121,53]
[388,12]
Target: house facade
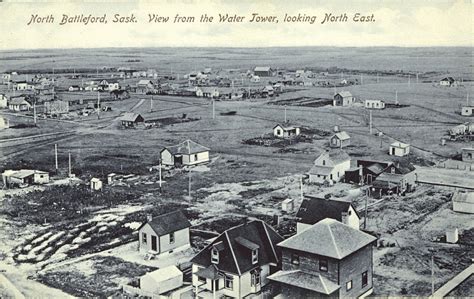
[329,166]
[399,149]
[329,259]
[374,104]
[448,81]
[263,71]
[340,140]
[186,153]
[467,154]
[467,110]
[19,104]
[395,179]
[343,98]
[314,209]
[130,120]
[3,101]
[164,234]
[366,171]
[286,131]
[24,177]
[463,202]
[237,263]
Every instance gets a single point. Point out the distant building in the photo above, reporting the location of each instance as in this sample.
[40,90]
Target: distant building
[365,172]
[119,94]
[144,86]
[343,98]
[399,149]
[130,120]
[237,263]
[263,71]
[56,107]
[74,88]
[23,85]
[268,90]
[255,79]
[395,179]
[463,202]
[468,154]
[288,205]
[329,166]
[3,101]
[329,259]
[96,184]
[207,92]
[286,131]
[24,177]
[164,233]
[448,81]
[19,104]
[467,110]
[314,209]
[186,153]
[374,104]
[340,140]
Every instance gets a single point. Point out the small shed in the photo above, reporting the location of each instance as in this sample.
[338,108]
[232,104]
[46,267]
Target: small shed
[343,98]
[448,81]
[463,202]
[340,139]
[162,280]
[452,235]
[399,149]
[130,120]
[96,184]
[286,131]
[467,110]
[468,154]
[288,205]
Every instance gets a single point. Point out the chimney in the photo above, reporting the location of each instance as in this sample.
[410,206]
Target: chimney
[345,218]
[149,217]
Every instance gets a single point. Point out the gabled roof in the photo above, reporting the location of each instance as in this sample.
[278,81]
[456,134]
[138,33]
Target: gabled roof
[18,101]
[336,155]
[168,223]
[236,246]
[145,82]
[329,238]
[129,116]
[402,167]
[262,69]
[187,147]
[300,279]
[344,94]
[287,127]
[342,135]
[450,79]
[376,168]
[399,145]
[313,209]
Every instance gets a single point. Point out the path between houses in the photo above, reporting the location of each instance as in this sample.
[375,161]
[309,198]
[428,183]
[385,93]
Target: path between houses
[454,282]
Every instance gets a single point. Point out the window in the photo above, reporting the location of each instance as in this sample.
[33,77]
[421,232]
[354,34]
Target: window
[323,265]
[229,282]
[255,277]
[295,259]
[393,170]
[349,285]
[214,256]
[365,279]
[254,256]
[195,157]
[324,162]
[201,279]
[172,238]
[143,238]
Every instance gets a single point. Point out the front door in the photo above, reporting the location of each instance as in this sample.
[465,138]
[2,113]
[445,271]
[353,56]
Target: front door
[153,243]
[178,160]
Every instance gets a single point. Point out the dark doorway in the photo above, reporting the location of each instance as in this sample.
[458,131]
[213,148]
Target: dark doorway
[153,243]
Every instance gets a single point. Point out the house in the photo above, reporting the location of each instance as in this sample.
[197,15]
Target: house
[6,78]
[164,233]
[23,85]
[24,177]
[164,283]
[56,107]
[467,110]
[96,184]
[130,120]
[19,104]
[395,179]
[286,131]
[288,205]
[340,139]
[145,86]
[186,153]
[109,85]
[343,98]
[74,88]
[452,235]
[237,263]
[268,90]
[448,81]
[399,149]
[119,94]
[467,154]
[463,202]
[329,259]
[374,104]
[329,166]
[3,101]
[365,172]
[207,92]
[263,71]
[255,79]
[314,209]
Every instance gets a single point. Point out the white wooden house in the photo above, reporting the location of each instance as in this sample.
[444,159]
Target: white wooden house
[286,131]
[339,140]
[374,104]
[343,98]
[399,149]
[329,166]
[463,202]
[467,110]
[185,153]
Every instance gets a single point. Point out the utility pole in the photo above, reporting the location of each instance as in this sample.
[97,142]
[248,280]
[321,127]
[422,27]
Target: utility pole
[416,78]
[70,170]
[189,185]
[301,187]
[432,275]
[396,96]
[34,112]
[408,79]
[56,156]
[151,104]
[160,180]
[285,114]
[361,79]
[98,105]
[366,199]
[213,108]
[370,122]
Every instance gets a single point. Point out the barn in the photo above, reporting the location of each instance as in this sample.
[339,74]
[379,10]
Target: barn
[263,71]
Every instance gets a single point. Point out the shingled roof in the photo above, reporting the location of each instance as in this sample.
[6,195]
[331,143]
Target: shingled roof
[300,279]
[313,209]
[187,147]
[168,223]
[236,244]
[329,238]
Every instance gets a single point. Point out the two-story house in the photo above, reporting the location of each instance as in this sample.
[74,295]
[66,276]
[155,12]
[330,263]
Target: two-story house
[329,259]
[329,166]
[314,209]
[236,264]
[164,234]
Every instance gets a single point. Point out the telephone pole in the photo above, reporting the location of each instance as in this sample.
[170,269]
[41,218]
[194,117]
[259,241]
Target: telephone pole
[213,108]
[70,170]
[34,112]
[98,105]
[56,156]
[160,180]
[366,199]
[301,187]
[370,122]
[151,104]
[189,185]
[285,114]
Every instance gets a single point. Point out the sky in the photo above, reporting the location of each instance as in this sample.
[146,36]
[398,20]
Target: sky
[404,23]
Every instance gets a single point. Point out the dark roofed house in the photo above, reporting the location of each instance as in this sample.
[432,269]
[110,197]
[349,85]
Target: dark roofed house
[185,153]
[130,120]
[343,98]
[236,264]
[263,71]
[448,81]
[366,171]
[19,104]
[164,234]
[314,209]
[398,178]
[329,259]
